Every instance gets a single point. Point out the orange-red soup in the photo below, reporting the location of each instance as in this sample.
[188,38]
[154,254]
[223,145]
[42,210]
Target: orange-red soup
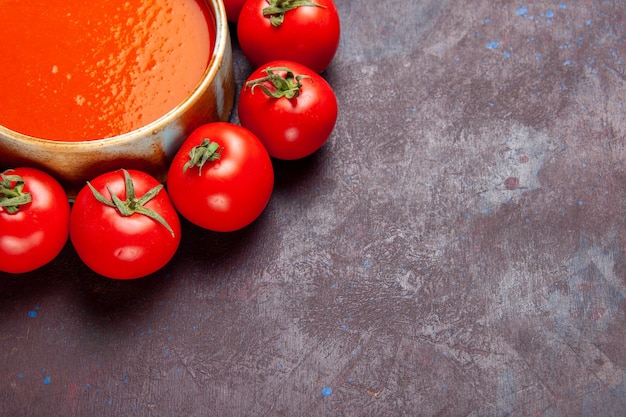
[83,70]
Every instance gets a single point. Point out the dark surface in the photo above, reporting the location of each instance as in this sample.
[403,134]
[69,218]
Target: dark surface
[456,249]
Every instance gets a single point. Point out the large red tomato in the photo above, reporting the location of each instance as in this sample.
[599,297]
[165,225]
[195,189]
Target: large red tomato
[123,225]
[221,178]
[34,217]
[304,31]
[290,108]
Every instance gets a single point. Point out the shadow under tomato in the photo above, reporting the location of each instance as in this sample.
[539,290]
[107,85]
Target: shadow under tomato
[211,254]
[293,174]
[108,298]
[34,285]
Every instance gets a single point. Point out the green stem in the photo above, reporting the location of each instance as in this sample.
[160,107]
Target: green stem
[277,9]
[132,204]
[287,85]
[12,195]
[207,151]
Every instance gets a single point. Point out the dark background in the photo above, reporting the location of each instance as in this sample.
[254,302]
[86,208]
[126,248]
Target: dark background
[457,248]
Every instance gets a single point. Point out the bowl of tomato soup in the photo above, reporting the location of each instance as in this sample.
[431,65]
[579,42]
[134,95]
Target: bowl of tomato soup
[90,87]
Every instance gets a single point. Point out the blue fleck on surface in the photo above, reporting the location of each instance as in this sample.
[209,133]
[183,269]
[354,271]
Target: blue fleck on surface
[521,11]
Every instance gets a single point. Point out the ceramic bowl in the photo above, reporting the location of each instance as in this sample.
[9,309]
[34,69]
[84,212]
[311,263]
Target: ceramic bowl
[149,148]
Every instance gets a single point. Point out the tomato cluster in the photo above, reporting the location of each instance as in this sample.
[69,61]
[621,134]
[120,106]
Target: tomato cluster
[125,224]
[285,101]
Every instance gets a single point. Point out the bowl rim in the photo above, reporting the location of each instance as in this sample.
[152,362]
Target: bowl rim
[217,10]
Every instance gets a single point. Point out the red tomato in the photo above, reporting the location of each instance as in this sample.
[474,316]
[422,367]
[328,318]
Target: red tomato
[221,178]
[290,108]
[123,225]
[34,217]
[307,34]
[233,7]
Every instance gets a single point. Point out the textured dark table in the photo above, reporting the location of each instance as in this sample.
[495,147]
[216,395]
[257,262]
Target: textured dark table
[456,249]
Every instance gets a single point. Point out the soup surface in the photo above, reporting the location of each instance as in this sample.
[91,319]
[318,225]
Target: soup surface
[78,70]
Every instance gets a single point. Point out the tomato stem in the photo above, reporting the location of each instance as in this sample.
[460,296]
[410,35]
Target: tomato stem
[12,195]
[132,204]
[287,85]
[207,151]
[277,9]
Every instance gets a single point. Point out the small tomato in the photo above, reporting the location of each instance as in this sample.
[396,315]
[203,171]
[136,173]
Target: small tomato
[34,218]
[290,108]
[123,225]
[221,178]
[304,31]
